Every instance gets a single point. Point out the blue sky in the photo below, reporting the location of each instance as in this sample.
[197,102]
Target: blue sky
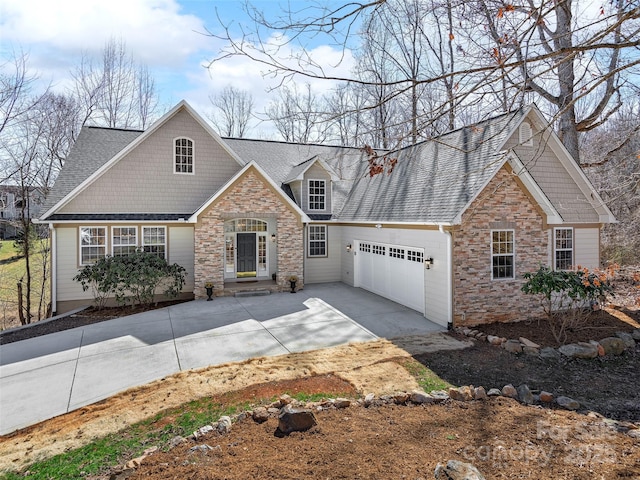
[168,35]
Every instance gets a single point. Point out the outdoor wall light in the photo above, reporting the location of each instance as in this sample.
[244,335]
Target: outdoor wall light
[378,225]
[348,247]
[428,262]
[273,237]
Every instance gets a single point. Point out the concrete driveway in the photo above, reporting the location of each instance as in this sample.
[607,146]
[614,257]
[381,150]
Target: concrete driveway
[47,376]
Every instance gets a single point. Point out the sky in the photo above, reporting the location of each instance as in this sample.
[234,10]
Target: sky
[169,36]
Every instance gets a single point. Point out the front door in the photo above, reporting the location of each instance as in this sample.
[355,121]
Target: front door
[246,255]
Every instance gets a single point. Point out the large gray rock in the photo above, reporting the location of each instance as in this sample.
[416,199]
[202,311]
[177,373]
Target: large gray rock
[568,403]
[293,419]
[550,353]
[636,334]
[524,394]
[509,391]
[528,343]
[457,470]
[224,425]
[420,397]
[612,345]
[627,338]
[579,350]
[513,346]
[463,394]
[260,414]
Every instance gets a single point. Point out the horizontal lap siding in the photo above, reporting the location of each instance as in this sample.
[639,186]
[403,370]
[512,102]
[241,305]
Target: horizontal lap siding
[325,269]
[67,266]
[181,251]
[587,247]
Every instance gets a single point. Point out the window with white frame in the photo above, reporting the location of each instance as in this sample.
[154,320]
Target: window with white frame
[563,242]
[183,155]
[317,194]
[154,240]
[502,254]
[93,244]
[124,241]
[317,240]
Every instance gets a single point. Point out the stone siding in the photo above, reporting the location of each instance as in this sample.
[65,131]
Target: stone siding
[477,298]
[251,197]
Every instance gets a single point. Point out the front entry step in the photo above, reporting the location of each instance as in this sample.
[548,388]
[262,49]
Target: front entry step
[252,293]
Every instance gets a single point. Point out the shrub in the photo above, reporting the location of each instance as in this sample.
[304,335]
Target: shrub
[568,297]
[134,278]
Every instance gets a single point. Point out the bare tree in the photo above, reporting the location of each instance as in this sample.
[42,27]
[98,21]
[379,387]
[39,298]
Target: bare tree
[234,110]
[15,87]
[297,116]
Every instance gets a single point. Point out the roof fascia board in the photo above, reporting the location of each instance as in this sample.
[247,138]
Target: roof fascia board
[382,223]
[141,138]
[515,127]
[334,177]
[112,222]
[194,217]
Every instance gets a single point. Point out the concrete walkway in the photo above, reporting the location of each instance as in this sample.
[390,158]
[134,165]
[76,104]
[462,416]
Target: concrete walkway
[46,376]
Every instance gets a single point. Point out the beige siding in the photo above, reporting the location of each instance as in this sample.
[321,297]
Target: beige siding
[144,181]
[316,172]
[587,247]
[433,242]
[554,180]
[325,269]
[296,188]
[181,251]
[67,266]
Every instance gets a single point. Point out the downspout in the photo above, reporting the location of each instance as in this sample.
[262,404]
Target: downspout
[54,268]
[449,276]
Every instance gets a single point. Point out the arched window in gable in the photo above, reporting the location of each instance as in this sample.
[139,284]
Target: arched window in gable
[183,155]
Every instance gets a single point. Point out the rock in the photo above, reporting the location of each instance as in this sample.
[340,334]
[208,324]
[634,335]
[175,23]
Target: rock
[528,343]
[202,431]
[549,352]
[613,345]
[579,350]
[627,338]
[524,394]
[493,340]
[546,397]
[473,333]
[463,394]
[513,346]
[509,391]
[134,463]
[260,415]
[481,336]
[479,393]
[439,396]
[601,352]
[530,350]
[285,400]
[204,448]
[634,434]
[368,399]
[175,441]
[457,470]
[568,403]
[293,419]
[341,403]
[401,398]
[494,392]
[224,425]
[636,334]
[273,411]
[420,397]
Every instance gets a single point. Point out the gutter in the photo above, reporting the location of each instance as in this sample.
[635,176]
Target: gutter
[449,275]
[54,269]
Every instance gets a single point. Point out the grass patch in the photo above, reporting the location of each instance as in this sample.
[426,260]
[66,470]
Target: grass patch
[427,380]
[101,455]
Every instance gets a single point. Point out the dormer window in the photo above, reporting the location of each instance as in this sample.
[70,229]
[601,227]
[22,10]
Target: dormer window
[317,194]
[183,155]
[526,135]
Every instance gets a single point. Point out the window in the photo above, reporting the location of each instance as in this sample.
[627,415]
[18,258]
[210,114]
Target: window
[183,155]
[317,240]
[415,256]
[396,252]
[124,241]
[317,194]
[379,250]
[154,240]
[93,244]
[564,248]
[502,254]
[365,247]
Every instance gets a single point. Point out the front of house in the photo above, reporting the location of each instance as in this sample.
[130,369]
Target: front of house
[449,233]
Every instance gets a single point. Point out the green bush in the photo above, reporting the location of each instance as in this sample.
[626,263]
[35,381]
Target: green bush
[135,278]
[568,297]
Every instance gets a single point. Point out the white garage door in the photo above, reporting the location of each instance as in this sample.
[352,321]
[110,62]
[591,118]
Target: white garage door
[395,272]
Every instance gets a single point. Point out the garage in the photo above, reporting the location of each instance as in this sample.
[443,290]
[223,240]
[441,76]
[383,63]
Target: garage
[395,272]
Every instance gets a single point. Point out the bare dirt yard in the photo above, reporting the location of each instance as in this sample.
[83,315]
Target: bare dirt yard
[501,437]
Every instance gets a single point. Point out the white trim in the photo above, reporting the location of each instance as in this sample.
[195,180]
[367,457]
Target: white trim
[193,156]
[194,218]
[54,269]
[555,249]
[326,240]
[512,254]
[324,195]
[137,141]
[166,239]
[310,163]
[449,276]
[106,242]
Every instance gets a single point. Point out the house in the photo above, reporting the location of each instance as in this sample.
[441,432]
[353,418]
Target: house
[13,199]
[449,233]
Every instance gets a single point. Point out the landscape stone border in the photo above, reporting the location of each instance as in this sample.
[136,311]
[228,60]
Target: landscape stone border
[592,349]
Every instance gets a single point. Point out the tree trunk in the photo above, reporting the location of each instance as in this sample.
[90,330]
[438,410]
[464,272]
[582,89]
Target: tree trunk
[20,310]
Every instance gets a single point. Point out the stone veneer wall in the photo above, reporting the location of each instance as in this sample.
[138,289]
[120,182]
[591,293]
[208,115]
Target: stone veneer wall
[249,197]
[477,298]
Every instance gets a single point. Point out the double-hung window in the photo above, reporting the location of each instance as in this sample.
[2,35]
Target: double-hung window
[502,254]
[124,241]
[317,194]
[154,240]
[93,244]
[317,240]
[563,246]
[183,155]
